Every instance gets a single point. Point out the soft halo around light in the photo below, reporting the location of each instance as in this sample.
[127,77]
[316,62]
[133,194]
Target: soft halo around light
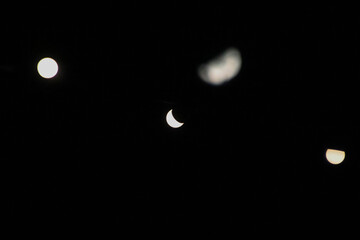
[335,156]
[47,67]
[171,121]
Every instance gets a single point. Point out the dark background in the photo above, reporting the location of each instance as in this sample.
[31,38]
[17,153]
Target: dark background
[91,148]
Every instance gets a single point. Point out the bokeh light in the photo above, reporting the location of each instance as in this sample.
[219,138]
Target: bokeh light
[47,67]
[221,69]
[335,156]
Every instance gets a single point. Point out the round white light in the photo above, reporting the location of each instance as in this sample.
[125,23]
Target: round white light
[47,67]
[335,156]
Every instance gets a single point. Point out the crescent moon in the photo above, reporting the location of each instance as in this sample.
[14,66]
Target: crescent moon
[172,121]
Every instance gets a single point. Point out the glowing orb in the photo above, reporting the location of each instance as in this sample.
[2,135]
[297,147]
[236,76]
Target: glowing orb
[47,68]
[221,69]
[335,156]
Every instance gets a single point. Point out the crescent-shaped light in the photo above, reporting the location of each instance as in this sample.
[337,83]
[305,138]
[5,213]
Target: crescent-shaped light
[335,156]
[172,121]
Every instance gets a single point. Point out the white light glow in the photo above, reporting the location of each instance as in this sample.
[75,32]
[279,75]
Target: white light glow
[172,121]
[47,68]
[221,69]
[335,156]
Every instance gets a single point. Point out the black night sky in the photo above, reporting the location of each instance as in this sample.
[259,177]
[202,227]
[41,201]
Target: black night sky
[91,147]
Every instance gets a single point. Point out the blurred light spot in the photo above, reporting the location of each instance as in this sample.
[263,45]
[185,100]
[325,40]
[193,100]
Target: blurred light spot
[172,121]
[47,67]
[222,68]
[335,156]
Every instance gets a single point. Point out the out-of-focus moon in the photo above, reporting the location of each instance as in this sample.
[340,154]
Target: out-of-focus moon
[221,69]
[335,156]
[47,67]
[172,121]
